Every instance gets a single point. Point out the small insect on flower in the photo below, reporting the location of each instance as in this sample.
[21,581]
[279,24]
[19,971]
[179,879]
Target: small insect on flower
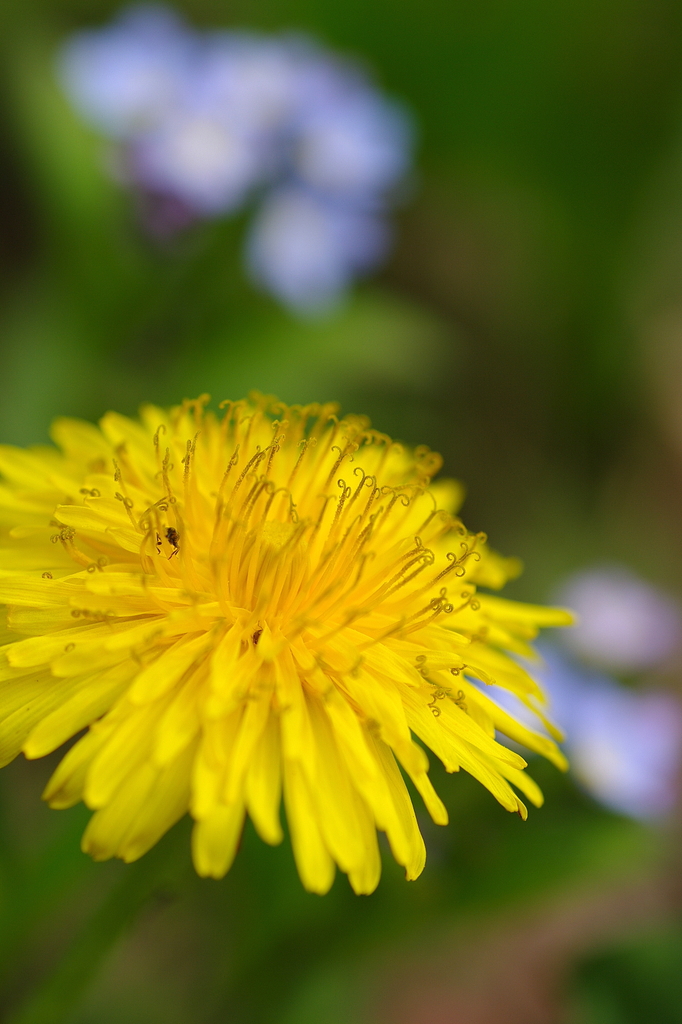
[172,536]
[272,602]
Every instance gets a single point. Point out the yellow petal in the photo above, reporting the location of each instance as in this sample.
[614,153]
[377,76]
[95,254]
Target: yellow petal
[314,863]
[215,839]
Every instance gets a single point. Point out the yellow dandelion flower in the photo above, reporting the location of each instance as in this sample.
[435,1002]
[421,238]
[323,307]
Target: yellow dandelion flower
[271,602]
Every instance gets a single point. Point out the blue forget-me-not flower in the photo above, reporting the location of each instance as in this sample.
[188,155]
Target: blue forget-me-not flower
[624,743]
[625,624]
[207,122]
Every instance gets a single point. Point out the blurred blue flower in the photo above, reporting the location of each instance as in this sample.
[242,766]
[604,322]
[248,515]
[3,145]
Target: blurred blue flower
[624,745]
[208,164]
[126,76]
[624,624]
[307,250]
[208,121]
[353,148]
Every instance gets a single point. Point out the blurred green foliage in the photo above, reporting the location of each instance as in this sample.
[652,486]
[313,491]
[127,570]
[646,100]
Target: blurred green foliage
[504,332]
[637,981]
[319,954]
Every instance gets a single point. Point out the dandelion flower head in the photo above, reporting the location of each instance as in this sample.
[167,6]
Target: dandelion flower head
[267,603]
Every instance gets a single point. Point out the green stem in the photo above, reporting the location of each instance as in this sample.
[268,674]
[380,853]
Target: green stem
[55,998]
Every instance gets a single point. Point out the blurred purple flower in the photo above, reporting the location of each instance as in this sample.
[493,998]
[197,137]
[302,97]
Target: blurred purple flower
[255,78]
[356,147]
[210,166]
[624,624]
[211,120]
[307,251]
[129,74]
[624,745]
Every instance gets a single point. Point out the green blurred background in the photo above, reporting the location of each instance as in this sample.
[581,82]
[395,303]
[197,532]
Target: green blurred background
[529,327]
